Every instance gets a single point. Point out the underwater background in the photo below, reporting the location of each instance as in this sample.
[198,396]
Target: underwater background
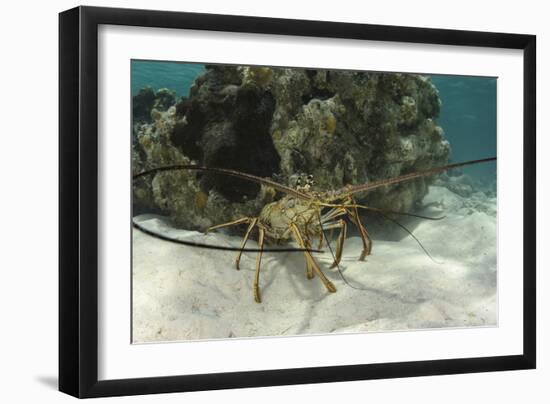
[341,129]
[468,112]
[172,75]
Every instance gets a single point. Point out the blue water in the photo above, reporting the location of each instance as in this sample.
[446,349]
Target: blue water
[469,118]
[172,75]
[468,113]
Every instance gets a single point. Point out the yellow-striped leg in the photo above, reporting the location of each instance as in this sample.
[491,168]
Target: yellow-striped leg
[299,239]
[365,238]
[340,245]
[245,239]
[332,214]
[321,238]
[309,269]
[233,223]
[257,297]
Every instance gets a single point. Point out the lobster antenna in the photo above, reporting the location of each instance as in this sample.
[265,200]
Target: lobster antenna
[408,231]
[349,190]
[216,247]
[280,187]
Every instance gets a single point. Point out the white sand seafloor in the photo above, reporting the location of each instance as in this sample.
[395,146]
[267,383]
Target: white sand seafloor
[187,293]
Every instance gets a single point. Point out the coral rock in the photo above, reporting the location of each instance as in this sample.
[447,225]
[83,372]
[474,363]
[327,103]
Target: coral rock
[342,127]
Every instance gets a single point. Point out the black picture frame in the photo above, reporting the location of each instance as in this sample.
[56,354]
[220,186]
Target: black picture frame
[78,201]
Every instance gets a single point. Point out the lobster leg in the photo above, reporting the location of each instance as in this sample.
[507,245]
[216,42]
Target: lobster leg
[257,296]
[309,268]
[233,223]
[299,239]
[365,238]
[342,225]
[321,238]
[341,239]
[245,239]
[332,214]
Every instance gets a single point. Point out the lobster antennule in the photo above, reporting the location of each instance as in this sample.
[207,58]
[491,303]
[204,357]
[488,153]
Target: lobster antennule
[349,190]
[227,171]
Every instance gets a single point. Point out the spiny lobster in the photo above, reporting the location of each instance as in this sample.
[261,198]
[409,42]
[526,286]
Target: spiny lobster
[303,215]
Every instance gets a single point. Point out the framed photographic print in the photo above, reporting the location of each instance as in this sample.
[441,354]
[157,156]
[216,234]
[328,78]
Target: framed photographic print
[251,201]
